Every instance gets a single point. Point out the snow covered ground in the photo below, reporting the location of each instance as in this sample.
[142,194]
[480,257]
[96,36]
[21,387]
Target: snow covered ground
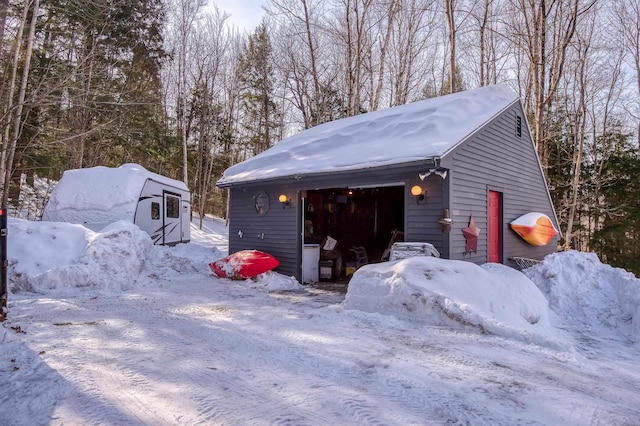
[104,328]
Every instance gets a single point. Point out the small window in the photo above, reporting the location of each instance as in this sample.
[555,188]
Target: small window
[155,211]
[173,207]
[518,126]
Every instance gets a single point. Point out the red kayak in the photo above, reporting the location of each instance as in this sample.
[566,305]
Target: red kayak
[244,264]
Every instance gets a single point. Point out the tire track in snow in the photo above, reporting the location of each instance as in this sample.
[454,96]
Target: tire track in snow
[144,361]
[237,379]
[199,362]
[410,401]
[430,382]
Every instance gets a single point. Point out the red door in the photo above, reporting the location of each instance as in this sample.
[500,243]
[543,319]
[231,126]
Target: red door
[495,213]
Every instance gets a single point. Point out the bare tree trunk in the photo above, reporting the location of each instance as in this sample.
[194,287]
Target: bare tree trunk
[8,108]
[17,119]
[484,44]
[599,161]
[351,65]
[539,68]
[356,16]
[394,7]
[9,111]
[449,12]
[628,17]
[84,110]
[314,68]
[580,134]
[541,18]
[414,28]
[187,14]
[4,5]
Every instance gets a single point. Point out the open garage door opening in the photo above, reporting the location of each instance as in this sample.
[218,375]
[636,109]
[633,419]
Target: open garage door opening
[350,227]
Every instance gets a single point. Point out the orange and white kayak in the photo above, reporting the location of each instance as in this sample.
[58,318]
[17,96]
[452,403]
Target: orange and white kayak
[535,228]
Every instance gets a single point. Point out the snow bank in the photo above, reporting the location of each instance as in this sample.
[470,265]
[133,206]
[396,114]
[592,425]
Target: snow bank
[52,257]
[586,292]
[495,298]
[35,247]
[272,282]
[117,258]
[165,262]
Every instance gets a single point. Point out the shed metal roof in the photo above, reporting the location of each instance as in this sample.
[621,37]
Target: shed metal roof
[417,131]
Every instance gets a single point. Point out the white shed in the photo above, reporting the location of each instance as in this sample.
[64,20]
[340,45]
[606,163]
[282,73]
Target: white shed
[98,196]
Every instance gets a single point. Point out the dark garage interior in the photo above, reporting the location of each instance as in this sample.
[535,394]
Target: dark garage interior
[363,221]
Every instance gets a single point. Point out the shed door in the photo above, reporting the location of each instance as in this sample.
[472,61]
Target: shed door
[495,219]
[172,224]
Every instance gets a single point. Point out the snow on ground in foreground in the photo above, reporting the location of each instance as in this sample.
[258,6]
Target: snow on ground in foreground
[105,328]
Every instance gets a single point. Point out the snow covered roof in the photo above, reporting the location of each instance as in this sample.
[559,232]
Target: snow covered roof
[100,194]
[412,132]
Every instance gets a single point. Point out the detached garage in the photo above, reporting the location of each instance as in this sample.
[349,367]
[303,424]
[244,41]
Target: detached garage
[98,196]
[452,171]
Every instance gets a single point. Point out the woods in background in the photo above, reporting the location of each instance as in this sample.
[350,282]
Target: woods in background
[171,85]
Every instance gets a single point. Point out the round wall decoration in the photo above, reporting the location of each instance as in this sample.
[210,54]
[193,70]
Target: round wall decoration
[261,203]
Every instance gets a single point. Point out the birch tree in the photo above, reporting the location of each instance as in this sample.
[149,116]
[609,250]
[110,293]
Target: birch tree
[211,60]
[13,115]
[451,25]
[354,36]
[627,13]
[579,125]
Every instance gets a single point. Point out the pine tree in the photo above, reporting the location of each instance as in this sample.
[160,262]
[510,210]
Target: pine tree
[95,97]
[261,120]
[617,240]
[332,106]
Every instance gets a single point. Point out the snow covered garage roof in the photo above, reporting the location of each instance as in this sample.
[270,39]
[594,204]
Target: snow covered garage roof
[101,194]
[411,132]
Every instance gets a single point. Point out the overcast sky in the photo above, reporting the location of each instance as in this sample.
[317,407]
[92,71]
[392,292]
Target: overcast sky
[245,14]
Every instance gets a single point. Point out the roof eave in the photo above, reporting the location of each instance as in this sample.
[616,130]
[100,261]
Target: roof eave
[429,161]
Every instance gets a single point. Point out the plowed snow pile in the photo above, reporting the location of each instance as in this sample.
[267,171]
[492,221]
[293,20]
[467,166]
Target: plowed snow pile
[587,293]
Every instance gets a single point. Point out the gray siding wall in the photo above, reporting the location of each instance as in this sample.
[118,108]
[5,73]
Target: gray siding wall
[277,232]
[421,219]
[496,159]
